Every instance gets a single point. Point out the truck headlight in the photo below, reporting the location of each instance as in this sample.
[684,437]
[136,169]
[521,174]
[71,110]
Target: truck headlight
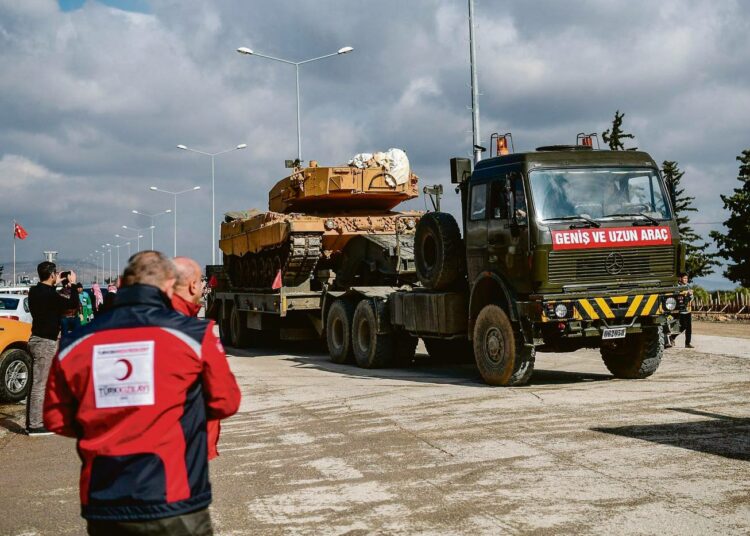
[561,310]
[670,304]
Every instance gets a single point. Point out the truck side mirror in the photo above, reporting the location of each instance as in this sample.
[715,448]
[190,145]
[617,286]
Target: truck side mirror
[460,170]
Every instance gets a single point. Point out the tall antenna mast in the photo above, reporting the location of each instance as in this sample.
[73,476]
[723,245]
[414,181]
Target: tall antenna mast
[476,140]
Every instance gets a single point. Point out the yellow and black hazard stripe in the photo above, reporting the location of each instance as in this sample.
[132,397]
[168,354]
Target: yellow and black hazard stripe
[610,307]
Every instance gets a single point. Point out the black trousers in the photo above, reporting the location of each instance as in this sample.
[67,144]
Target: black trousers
[192,524]
[686,325]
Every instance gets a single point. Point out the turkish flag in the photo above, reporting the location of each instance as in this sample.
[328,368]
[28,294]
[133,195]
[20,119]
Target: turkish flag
[19,232]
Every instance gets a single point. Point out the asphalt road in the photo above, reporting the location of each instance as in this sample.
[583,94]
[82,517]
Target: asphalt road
[319,448]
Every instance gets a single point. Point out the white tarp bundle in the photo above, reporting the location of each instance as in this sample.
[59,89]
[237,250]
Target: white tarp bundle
[393,161]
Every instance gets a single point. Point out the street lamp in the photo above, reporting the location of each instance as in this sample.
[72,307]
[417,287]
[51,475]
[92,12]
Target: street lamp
[213,196]
[249,52]
[138,235]
[175,194]
[152,216]
[129,238]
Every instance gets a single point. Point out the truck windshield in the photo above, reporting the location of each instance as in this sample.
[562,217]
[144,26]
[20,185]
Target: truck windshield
[598,194]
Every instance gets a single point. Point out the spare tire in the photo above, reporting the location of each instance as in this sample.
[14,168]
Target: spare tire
[438,250]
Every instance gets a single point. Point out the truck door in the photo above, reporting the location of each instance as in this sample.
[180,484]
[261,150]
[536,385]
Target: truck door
[507,230]
[476,229]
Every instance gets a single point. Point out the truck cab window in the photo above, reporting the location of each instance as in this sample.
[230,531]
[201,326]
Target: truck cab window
[498,201]
[478,202]
[519,198]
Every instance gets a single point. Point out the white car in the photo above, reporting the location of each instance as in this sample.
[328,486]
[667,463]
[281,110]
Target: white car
[15,306]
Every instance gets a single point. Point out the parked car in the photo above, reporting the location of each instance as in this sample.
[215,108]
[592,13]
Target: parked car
[15,360]
[15,306]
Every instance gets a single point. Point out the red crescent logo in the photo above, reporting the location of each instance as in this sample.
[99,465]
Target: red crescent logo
[129,369]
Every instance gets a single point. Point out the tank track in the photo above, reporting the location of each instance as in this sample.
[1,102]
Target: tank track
[296,258]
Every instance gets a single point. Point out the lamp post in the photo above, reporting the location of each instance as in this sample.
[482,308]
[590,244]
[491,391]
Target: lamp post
[152,216]
[343,50]
[175,194]
[129,238]
[139,235]
[213,196]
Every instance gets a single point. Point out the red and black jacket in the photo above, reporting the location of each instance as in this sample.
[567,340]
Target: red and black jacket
[136,386]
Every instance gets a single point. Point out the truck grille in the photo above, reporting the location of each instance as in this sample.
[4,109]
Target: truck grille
[591,266]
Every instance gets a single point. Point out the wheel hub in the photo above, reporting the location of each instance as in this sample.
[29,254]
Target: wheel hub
[493,343]
[16,376]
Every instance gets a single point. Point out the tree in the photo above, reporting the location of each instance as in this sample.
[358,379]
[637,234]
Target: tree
[615,137]
[697,262]
[734,246]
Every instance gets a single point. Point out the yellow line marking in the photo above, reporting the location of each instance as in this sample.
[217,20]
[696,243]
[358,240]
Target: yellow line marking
[605,308]
[589,310]
[619,299]
[649,305]
[634,306]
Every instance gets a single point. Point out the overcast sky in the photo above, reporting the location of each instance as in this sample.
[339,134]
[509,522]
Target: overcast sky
[96,95]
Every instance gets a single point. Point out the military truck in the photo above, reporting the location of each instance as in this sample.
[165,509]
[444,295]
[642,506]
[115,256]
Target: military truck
[564,247]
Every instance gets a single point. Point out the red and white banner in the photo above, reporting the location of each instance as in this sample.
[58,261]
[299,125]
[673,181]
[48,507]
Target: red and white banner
[611,237]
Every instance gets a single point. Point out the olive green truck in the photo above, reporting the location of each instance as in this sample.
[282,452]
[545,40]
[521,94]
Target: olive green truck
[563,248]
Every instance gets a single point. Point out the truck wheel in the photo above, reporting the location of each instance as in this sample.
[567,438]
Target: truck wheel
[499,350]
[438,250]
[450,351]
[239,335]
[370,349]
[225,327]
[15,372]
[635,357]
[339,331]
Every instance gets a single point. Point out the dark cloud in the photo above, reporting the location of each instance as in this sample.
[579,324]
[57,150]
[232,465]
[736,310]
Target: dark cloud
[94,100]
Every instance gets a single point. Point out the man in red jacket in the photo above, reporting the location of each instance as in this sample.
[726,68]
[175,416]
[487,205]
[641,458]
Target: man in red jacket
[136,387]
[188,293]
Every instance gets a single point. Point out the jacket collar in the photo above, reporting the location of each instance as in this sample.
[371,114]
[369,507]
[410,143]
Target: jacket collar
[142,295]
[181,305]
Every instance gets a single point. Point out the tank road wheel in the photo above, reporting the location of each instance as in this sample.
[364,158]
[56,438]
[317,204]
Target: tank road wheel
[635,357]
[339,331]
[450,351]
[371,350]
[253,271]
[239,334]
[437,250]
[499,351]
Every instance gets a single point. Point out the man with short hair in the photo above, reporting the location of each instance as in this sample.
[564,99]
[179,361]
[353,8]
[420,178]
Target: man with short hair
[136,387]
[46,307]
[188,293]
[188,289]
[686,316]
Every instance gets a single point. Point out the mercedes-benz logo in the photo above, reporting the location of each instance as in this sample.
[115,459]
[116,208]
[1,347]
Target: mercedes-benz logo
[614,263]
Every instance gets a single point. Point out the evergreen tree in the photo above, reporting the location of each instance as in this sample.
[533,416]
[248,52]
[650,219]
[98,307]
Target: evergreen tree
[697,262]
[734,246]
[615,136]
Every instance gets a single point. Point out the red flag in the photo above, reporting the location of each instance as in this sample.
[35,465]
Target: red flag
[277,281]
[19,232]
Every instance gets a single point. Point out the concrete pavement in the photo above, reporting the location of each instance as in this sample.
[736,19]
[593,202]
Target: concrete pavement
[319,448]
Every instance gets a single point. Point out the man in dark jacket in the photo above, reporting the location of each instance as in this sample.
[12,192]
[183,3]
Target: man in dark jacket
[136,387]
[46,307]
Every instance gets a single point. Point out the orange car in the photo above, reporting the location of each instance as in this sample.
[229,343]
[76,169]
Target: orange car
[15,360]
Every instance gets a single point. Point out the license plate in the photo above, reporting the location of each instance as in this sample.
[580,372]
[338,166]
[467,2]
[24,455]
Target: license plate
[614,333]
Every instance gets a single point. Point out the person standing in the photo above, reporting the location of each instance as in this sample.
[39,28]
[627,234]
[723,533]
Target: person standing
[87,311]
[188,294]
[135,387]
[686,316]
[46,307]
[71,318]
